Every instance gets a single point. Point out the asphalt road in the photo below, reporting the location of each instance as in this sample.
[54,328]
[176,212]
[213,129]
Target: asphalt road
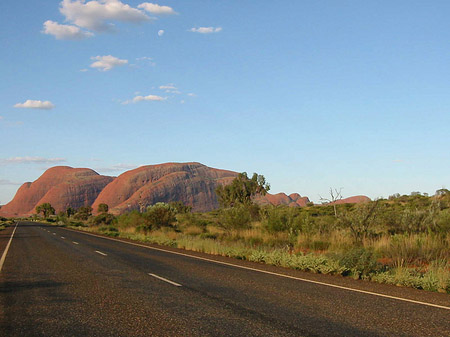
[57,282]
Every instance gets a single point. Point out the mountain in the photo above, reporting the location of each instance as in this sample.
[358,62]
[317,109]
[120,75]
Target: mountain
[61,186]
[353,200]
[193,184]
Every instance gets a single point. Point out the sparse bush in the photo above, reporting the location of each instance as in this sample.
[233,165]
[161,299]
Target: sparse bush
[160,215]
[237,217]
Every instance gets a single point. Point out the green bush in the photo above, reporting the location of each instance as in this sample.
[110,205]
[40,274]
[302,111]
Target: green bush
[160,215]
[360,261]
[237,217]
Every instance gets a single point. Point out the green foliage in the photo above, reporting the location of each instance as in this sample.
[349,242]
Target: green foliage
[360,261]
[160,215]
[70,211]
[360,221]
[46,209]
[83,213]
[242,189]
[104,219]
[237,217]
[179,207]
[102,208]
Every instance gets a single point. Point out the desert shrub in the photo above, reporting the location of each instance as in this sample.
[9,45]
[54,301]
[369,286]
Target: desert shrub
[359,261]
[237,217]
[160,215]
[281,219]
[103,219]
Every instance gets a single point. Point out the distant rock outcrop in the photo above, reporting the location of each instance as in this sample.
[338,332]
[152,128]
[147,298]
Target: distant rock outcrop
[357,199]
[292,200]
[193,184]
[61,186]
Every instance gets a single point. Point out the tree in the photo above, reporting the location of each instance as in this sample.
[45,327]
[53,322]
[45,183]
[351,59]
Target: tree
[160,215]
[84,212]
[242,189]
[102,208]
[335,195]
[70,211]
[46,209]
[360,220]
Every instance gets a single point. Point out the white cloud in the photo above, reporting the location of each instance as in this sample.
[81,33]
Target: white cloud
[148,98]
[8,182]
[160,32]
[32,104]
[83,70]
[32,160]
[182,102]
[140,98]
[167,87]
[107,62]
[117,167]
[206,30]
[191,94]
[97,15]
[156,9]
[64,32]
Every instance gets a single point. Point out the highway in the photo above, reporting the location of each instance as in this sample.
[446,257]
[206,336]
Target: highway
[60,282]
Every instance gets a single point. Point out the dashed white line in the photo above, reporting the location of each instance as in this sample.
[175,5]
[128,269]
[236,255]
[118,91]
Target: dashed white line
[62,237]
[54,233]
[75,243]
[165,280]
[268,272]
[99,252]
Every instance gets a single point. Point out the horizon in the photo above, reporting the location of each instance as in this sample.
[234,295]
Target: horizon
[311,95]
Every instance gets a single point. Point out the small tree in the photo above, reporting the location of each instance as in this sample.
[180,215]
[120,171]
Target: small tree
[335,195]
[242,189]
[46,209]
[84,212]
[70,211]
[360,220]
[102,208]
[160,215]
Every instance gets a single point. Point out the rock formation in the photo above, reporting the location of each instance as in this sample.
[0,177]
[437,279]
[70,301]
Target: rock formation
[61,186]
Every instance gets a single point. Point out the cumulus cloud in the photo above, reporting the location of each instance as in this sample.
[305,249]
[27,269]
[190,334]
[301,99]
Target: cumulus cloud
[140,98]
[148,98]
[156,9]
[160,32]
[206,30]
[97,15]
[107,62]
[65,32]
[33,104]
[32,160]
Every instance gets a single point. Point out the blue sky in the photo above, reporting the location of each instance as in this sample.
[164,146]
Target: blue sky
[311,94]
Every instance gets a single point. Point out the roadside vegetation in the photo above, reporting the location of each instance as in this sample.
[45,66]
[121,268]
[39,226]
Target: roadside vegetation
[402,240]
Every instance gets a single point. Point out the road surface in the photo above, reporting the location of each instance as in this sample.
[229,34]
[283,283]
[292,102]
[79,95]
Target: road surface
[59,282]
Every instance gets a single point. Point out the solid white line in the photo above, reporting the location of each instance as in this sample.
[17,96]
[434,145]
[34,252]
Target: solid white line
[75,243]
[2,260]
[165,280]
[269,272]
[98,252]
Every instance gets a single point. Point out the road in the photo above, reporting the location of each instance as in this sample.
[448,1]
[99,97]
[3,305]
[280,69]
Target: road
[59,282]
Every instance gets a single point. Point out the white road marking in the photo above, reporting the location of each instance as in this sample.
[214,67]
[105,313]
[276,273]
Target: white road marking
[2,260]
[54,233]
[98,252]
[165,280]
[268,272]
[75,243]
[62,237]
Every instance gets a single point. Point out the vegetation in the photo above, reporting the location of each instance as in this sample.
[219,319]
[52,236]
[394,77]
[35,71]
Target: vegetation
[402,240]
[46,209]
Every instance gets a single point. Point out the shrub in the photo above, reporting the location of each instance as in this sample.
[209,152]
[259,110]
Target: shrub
[360,261]
[104,219]
[160,215]
[237,217]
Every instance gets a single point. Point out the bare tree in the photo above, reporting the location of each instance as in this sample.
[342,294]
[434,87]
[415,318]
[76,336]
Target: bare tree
[335,195]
